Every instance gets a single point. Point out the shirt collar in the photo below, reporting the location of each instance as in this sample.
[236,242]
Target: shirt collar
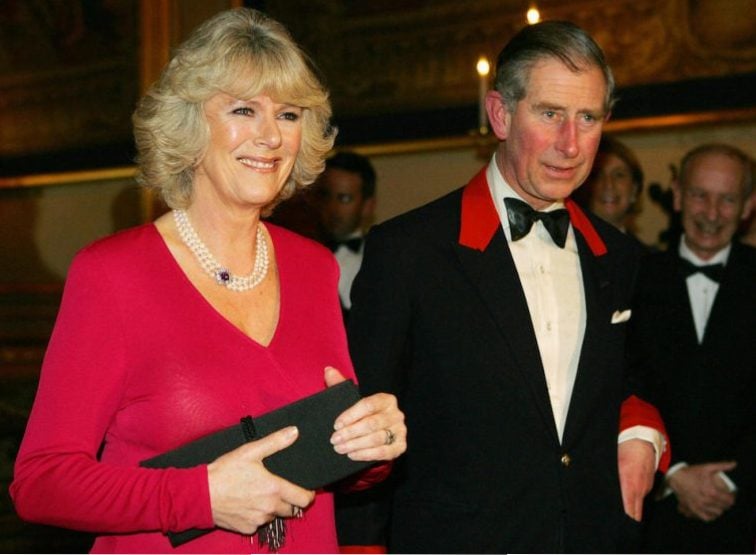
[481,216]
[500,190]
[685,252]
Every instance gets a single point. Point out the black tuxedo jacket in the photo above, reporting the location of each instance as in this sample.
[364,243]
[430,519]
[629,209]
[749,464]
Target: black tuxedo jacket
[705,391]
[440,318]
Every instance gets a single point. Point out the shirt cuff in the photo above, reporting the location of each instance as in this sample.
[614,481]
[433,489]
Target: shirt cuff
[646,433]
[667,491]
[728,482]
[675,467]
[732,486]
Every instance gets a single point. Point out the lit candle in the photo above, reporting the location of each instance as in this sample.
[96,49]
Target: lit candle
[483,68]
[533,16]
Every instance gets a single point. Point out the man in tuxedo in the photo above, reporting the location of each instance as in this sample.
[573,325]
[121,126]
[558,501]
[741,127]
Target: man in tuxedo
[693,330]
[345,199]
[498,315]
[344,196]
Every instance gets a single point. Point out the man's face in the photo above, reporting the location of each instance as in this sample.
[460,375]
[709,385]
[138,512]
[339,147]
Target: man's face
[340,202]
[551,137]
[712,202]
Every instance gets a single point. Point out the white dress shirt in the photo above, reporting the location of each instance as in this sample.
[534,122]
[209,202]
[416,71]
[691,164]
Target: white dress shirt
[701,289]
[552,281]
[349,264]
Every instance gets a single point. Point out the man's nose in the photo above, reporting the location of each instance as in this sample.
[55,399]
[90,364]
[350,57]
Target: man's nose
[567,141]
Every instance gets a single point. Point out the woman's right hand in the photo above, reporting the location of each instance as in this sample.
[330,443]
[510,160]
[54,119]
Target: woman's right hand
[244,495]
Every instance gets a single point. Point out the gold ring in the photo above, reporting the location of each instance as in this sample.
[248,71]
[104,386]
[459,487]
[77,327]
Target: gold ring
[390,437]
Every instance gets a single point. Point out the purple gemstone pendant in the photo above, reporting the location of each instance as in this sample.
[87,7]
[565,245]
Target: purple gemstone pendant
[223,276]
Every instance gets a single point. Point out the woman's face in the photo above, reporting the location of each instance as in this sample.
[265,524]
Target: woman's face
[252,149]
[612,189]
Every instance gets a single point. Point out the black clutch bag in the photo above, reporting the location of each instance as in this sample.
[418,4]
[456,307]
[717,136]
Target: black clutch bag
[309,462]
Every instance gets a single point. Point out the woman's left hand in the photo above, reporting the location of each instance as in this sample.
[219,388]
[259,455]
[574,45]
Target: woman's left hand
[370,430]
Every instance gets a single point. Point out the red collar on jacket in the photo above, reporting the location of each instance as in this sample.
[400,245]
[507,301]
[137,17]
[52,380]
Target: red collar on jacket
[480,218]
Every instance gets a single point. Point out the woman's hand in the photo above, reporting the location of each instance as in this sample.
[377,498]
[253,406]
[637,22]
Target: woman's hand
[244,495]
[370,430]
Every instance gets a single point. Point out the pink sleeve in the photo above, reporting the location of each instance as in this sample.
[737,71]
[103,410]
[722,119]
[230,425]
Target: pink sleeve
[58,479]
[368,478]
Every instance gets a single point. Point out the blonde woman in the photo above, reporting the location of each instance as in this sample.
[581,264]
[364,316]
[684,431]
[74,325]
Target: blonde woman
[177,328]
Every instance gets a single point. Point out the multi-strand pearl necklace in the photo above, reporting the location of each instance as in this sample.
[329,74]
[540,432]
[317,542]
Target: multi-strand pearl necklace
[212,267]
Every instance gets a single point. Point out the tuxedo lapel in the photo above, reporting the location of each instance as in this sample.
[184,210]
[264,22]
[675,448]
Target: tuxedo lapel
[484,256]
[493,274]
[679,302]
[729,299]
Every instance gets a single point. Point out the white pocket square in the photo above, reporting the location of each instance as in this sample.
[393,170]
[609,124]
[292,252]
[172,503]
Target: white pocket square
[621,316]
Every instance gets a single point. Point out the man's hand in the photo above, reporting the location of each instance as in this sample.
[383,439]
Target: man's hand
[700,492]
[636,459]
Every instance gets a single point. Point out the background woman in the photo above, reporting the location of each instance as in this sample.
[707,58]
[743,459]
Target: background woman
[613,189]
[178,328]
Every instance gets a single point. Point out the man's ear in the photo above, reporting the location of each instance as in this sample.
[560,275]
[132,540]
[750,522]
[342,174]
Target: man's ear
[499,116]
[368,212]
[676,195]
[748,207]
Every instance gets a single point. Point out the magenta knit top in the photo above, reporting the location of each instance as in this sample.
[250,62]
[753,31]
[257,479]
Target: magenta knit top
[140,363]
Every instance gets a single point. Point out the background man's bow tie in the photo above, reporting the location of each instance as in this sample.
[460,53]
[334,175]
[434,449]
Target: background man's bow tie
[353,244]
[712,271]
[522,217]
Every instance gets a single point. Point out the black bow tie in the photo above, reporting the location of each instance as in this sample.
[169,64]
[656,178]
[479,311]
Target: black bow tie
[712,271]
[522,217]
[352,244]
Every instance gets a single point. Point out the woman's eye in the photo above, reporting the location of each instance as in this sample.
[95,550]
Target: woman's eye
[244,111]
[290,116]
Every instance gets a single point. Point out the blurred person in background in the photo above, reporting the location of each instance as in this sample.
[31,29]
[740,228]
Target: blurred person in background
[345,198]
[692,333]
[614,186]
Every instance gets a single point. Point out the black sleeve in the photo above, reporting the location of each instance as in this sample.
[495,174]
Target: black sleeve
[380,318]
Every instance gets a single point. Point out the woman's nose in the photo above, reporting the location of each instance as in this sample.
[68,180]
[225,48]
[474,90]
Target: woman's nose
[268,133]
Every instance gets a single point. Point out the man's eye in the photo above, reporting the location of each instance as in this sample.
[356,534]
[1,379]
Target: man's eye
[345,198]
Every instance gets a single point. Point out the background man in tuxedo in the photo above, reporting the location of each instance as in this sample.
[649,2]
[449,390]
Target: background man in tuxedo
[505,339]
[693,329]
[345,198]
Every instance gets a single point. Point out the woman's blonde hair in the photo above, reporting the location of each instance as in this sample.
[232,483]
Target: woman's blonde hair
[243,53]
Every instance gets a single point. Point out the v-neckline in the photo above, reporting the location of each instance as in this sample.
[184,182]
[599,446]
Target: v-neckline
[217,314]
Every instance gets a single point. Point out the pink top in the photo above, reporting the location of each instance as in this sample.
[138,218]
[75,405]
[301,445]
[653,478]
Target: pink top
[140,360]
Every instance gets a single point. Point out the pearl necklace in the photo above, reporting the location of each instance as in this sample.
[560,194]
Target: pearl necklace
[212,267]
